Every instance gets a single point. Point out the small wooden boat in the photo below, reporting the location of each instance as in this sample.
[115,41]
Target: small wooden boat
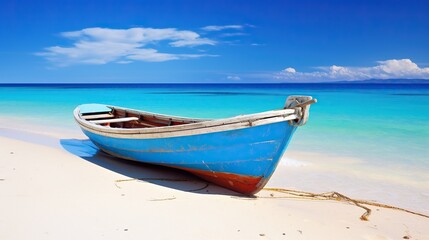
[239,153]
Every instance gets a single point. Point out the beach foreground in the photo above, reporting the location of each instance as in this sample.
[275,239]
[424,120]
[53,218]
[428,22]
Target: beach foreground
[53,188]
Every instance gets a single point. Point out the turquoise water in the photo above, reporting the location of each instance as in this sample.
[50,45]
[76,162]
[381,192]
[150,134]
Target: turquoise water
[385,125]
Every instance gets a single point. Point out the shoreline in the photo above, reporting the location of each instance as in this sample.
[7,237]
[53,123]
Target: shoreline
[297,170]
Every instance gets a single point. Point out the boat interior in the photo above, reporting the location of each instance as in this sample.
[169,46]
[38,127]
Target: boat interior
[121,118]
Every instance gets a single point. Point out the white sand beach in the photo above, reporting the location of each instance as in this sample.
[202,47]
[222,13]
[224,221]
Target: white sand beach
[57,187]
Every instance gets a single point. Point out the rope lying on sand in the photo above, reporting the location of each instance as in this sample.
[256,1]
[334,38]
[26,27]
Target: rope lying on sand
[335,196]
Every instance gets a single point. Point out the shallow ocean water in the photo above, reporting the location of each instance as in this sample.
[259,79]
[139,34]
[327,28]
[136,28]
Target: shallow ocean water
[384,126]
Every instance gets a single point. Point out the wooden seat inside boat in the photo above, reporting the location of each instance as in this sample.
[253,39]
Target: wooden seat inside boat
[115,120]
[125,118]
[98,116]
[96,111]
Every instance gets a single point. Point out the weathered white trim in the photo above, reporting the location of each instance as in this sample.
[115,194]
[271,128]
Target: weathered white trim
[201,127]
[274,120]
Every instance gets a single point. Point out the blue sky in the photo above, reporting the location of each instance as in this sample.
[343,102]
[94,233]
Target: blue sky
[212,41]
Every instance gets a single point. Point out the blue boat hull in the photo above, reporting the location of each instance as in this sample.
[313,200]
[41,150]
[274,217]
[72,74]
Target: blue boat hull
[241,159]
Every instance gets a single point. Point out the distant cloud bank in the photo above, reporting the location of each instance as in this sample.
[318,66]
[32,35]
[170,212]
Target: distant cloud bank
[104,45]
[389,69]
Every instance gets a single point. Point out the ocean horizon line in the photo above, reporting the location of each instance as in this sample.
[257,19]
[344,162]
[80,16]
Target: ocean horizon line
[86,84]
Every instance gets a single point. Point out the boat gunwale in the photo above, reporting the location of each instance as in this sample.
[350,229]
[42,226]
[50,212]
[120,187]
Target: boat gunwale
[198,127]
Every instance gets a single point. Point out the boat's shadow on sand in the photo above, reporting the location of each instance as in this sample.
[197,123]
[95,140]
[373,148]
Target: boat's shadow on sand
[147,173]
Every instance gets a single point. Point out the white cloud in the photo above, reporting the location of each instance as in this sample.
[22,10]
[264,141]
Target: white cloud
[151,55]
[235,78]
[220,28]
[290,70]
[229,32]
[389,69]
[256,44]
[104,45]
[192,42]
[123,62]
[234,34]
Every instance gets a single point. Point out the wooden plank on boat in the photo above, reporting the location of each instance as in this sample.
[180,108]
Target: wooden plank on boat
[147,124]
[199,126]
[97,116]
[211,122]
[115,120]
